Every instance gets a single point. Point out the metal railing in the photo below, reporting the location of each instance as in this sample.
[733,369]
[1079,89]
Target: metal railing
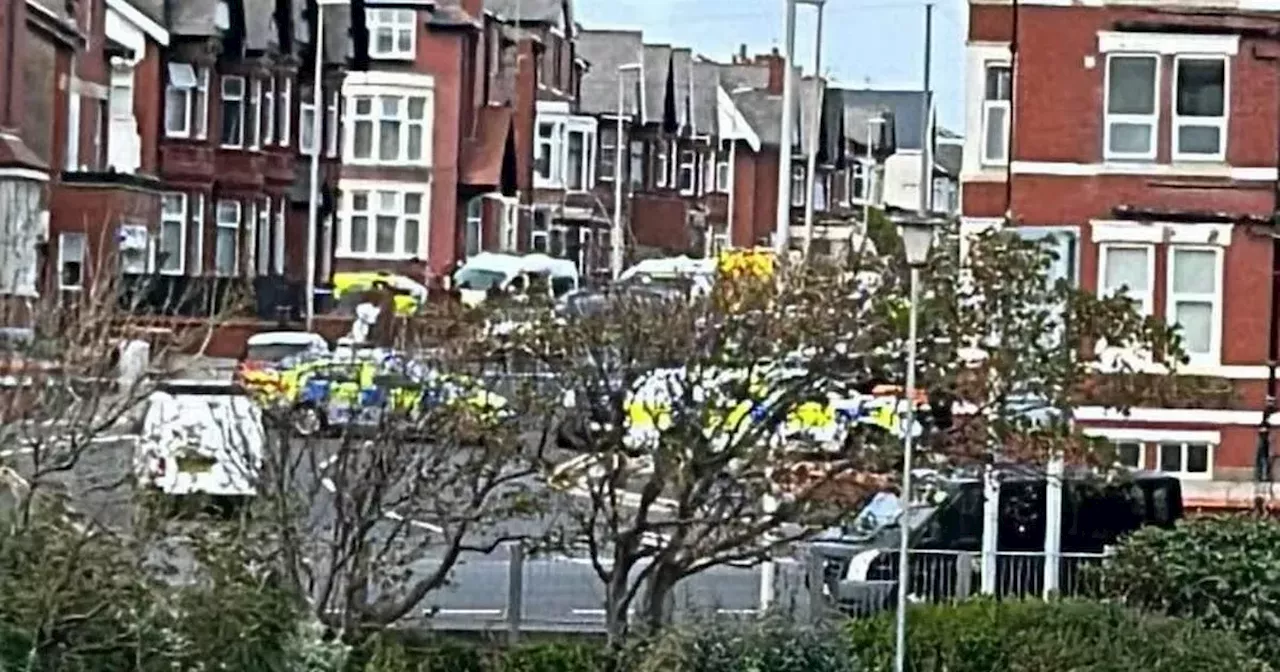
[512,592]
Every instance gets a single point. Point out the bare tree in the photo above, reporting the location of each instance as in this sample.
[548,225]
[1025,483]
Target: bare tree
[695,416]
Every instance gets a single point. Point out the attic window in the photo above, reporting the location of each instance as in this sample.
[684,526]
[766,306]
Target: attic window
[222,16]
[182,76]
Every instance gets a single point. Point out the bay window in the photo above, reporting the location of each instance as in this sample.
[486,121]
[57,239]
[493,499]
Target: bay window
[564,153]
[662,168]
[226,252]
[382,223]
[997,96]
[1195,300]
[1128,268]
[1200,108]
[331,125]
[473,231]
[723,174]
[250,239]
[1186,460]
[173,234]
[1132,106]
[197,229]
[281,216]
[392,33]
[388,129]
[233,104]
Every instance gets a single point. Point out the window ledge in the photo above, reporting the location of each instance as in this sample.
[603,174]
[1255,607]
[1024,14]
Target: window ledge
[373,256]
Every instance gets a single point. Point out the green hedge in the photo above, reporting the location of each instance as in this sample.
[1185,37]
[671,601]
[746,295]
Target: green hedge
[1032,636]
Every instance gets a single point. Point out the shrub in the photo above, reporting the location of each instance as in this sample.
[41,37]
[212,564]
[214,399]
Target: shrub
[1222,570]
[983,635]
[770,646]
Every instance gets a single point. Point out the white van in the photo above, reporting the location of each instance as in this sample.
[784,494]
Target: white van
[200,438]
[513,275]
[697,276]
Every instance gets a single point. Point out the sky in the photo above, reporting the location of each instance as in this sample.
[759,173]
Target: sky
[876,43]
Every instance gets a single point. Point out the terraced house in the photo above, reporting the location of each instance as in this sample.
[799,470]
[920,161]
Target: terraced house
[1144,142]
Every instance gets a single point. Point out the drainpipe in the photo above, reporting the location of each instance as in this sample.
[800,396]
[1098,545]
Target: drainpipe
[1262,456]
[732,190]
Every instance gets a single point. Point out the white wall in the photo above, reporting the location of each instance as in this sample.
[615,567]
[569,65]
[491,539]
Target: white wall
[901,184]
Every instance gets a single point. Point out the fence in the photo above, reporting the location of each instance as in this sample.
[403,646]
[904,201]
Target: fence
[509,591]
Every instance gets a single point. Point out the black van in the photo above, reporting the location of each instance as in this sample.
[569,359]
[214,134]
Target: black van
[861,560]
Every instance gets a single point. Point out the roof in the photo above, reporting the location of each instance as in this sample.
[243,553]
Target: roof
[706,81]
[682,64]
[744,75]
[907,108]
[152,9]
[480,162]
[949,155]
[657,66]
[606,50]
[259,27]
[337,25]
[529,11]
[763,112]
[196,18]
[809,91]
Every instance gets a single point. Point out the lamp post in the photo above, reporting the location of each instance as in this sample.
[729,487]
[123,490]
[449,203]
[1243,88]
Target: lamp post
[782,226]
[811,165]
[616,236]
[313,197]
[917,239]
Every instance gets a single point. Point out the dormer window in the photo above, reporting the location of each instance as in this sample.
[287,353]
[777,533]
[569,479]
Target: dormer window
[392,33]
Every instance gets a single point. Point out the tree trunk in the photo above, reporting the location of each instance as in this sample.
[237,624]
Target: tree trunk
[658,597]
[615,602]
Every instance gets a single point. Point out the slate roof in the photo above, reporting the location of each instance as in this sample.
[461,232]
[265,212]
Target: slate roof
[906,106]
[706,81]
[259,25]
[744,75]
[605,50]
[949,156]
[682,62]
[657,62]
[763,112]
[194,18]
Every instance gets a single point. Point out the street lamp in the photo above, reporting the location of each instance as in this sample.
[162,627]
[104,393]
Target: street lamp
[616,238]
[313,197]
[917,238]
[783,223]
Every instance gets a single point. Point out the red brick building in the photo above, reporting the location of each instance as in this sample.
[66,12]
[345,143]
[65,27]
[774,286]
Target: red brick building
[1145,139]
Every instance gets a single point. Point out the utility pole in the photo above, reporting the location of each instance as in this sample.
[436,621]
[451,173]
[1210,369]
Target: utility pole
[783,223]
[811,148]
[926,128]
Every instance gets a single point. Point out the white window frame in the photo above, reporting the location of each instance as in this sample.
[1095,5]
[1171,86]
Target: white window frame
[722,172]
[797,192]
[375,119]
[473,220]
[249,241]
[550,143]
[1220,123]
[254,117]
[62,259]
[180,218]
[399,22]
[1152,119]
[263,235]
[991,104]
[285,111]
[268,111]
[609,149]
[864,171]
[200,104]
[1181,472]
[371,192]
[197,229]
[1146,300]
[189,94]
[220,223]
[308,142]
[588,132]
[241,98]
[1215,299]
[557,146]
[688,164]
[332,129]
[663,170]
[281,219]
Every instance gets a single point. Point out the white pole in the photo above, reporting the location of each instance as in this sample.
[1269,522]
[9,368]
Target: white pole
[990,528]
[615,238]
[784,146]
[904,528]
[867,172]
[768,569]
[1053,524]
[811,166]
[313,206]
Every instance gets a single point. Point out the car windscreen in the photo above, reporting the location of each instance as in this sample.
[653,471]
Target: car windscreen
[476,278]
[275,352]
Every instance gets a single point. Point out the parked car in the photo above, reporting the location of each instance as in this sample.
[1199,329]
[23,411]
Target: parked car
[490,273]
[269,353]
[946,521]
[203,438]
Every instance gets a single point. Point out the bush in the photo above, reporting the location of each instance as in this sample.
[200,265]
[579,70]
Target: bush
[983,635]
[762,647]
[1222,570]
